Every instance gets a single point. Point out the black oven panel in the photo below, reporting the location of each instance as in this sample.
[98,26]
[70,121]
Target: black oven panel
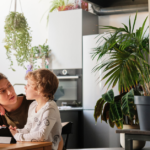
[69,91]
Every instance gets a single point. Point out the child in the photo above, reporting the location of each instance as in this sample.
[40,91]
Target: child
[43,123]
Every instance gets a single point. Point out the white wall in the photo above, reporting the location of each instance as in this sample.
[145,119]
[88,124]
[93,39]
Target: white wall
[117,20]
[33,11]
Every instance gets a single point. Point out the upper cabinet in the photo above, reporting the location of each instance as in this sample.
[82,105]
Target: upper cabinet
[66,29]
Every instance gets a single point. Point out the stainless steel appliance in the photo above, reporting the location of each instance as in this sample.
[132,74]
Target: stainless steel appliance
[69,91]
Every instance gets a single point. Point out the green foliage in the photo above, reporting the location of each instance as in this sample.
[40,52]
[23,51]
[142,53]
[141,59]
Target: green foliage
[128,51]
[17,37]
[38,52]
[128,107]
[44,50]
[58,3]
[113,108]
[109,96]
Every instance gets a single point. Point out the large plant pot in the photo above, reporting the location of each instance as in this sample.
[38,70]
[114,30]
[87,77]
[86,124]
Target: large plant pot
[136,144]
[143,110]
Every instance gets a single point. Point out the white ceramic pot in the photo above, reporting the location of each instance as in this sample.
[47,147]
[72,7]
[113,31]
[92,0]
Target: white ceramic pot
[136,144]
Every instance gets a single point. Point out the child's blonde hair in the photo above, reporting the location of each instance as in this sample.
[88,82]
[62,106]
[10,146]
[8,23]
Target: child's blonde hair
[46,82]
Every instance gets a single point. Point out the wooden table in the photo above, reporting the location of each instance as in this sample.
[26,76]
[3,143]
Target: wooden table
[134,134]
[27,146]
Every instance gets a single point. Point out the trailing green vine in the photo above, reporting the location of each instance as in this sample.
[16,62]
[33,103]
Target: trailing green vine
[17,37]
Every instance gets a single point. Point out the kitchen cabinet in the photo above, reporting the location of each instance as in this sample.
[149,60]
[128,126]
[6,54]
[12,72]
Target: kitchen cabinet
[100,134]
[66,29]
[75,139]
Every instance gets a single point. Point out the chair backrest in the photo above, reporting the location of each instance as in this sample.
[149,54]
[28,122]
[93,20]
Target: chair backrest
[66,129]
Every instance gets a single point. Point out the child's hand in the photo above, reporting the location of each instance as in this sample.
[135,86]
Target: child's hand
[12,130]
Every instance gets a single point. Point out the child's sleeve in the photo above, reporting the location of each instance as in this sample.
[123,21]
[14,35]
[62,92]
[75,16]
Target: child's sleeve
[42,133]
[26,128]
[28,125]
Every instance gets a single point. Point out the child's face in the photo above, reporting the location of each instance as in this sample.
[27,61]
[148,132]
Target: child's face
[31,93]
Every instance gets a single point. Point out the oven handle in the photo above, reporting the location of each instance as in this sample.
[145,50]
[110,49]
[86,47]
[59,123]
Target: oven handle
[67,77]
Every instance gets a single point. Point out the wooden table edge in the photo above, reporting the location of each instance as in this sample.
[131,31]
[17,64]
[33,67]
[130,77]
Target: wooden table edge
[20,147]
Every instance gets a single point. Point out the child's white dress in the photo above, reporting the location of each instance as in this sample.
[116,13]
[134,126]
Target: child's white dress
[45,125]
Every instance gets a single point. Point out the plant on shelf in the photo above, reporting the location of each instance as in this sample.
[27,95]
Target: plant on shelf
[61,5]
[40,52]
[128,66]
[17,38]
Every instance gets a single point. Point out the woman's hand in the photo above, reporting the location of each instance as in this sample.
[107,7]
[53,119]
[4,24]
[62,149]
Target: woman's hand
[2,110]
[12,130]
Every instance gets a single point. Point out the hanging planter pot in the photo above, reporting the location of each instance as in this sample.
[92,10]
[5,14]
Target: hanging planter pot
[143,108]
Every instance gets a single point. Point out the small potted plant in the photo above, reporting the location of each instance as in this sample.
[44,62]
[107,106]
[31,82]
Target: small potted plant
[62,5]
[40,52]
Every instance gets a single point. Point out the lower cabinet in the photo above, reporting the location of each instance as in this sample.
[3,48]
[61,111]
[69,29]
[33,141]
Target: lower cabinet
[75,139]
[98,134]
[87,134]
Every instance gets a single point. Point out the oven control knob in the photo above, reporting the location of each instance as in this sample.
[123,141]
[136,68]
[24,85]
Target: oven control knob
[64,72]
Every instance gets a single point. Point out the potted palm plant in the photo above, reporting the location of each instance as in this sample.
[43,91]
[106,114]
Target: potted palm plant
[127,66]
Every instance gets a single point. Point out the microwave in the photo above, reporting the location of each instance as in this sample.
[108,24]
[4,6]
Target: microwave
[69,91]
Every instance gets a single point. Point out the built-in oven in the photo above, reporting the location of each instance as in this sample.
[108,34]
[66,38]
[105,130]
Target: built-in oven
[69,91]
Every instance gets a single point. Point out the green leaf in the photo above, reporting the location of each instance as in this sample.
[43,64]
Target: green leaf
[109,96]
[98,108]
[134,22]
[129,25]
[105,114]
[128,107]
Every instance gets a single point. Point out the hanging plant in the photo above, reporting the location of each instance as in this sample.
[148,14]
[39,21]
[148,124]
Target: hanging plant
[17,37]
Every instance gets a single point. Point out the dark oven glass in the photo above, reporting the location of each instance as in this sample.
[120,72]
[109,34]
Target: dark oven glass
[69,91]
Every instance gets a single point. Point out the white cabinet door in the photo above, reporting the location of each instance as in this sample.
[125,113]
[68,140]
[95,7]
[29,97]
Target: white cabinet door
[65,39]
[93,88]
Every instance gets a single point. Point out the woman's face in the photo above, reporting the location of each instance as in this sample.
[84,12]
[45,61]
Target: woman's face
[7,93]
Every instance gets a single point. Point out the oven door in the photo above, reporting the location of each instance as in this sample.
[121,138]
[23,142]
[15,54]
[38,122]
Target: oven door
[68,91]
